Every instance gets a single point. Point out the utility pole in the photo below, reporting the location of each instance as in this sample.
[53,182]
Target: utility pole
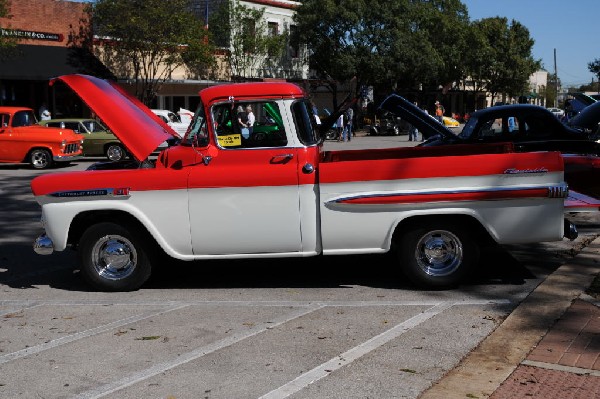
[555,81]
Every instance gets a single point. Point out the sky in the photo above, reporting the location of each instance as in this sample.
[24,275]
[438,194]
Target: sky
[569,26]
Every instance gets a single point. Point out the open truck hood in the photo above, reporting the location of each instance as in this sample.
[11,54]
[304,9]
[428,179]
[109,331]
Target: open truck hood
[412,114]
[138,128]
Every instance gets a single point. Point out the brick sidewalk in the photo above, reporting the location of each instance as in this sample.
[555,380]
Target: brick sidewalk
[566,362]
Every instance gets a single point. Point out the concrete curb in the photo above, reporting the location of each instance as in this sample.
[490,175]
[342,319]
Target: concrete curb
[482,371]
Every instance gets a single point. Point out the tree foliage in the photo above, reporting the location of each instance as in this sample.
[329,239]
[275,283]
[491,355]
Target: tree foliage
[7,44]
[149,39]
[594,67]
[413,44]
[505,62]
[384,44]
[253,50]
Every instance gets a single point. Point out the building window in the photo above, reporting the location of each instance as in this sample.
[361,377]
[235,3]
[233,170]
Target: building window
[273,28]
[294,44]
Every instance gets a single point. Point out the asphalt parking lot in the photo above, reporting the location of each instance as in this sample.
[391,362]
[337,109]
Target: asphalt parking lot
[330,327]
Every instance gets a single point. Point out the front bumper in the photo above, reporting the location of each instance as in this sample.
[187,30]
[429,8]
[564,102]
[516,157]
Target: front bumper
[66,158]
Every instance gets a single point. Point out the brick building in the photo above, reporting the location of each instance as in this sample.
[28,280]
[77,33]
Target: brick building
[43,29]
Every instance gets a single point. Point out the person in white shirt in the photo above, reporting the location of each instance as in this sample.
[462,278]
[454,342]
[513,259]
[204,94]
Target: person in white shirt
[251,118]
[340,127]
[44,112]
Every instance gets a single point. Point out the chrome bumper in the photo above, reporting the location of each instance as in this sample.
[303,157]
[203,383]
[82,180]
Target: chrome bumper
[43,245]
[66,158]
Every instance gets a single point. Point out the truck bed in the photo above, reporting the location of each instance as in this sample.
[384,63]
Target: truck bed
[416,152]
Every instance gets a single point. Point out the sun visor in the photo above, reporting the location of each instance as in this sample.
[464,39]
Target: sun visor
[128,118]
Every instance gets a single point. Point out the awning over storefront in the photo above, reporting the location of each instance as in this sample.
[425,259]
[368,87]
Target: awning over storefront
[45,62]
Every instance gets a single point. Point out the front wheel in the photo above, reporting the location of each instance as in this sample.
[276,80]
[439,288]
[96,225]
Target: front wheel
[114,257]
[40,158]
[437,255]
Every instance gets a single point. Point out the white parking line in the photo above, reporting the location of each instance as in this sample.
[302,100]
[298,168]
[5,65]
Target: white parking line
[83,334]
[351,355]
[303,308]
[107,389]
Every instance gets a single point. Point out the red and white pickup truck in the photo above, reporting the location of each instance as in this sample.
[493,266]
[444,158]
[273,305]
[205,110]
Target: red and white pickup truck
[278,193]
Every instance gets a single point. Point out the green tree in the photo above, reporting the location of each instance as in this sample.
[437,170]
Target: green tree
[253,50]
[146,40]
[8,44]
[594,67]
[505,63]
[389,45]
[445,26]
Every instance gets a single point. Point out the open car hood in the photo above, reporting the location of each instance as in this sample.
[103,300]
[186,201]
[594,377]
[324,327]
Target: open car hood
[412,114]
[588,119]
[128,118]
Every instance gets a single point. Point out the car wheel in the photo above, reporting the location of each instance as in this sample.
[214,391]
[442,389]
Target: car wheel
[115,152]
[331,134]
[40,158]
[436,255]
[114,257]
[396,130]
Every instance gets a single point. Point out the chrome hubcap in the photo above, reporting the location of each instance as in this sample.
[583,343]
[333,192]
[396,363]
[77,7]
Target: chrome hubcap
[439,253]
[114,257]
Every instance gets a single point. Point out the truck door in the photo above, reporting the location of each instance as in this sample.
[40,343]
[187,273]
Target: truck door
[246,200]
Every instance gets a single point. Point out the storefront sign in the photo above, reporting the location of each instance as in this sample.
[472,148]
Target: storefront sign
[32,35]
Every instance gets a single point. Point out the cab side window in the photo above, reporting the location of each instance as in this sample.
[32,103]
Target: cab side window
[235,129]
[4,119]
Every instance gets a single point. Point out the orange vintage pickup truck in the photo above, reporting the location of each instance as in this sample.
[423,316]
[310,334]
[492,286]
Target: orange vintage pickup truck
[22,140]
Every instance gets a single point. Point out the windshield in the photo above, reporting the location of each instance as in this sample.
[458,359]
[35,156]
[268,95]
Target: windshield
[197,133]
[24,118]
[94,126]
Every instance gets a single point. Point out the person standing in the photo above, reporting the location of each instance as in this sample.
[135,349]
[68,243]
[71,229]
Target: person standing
[242,119]
[250,119]
[439,112]
[412,131]
[44,112]
[348,125]
[339,125]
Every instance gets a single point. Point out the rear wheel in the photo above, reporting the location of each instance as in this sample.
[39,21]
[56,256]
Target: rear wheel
[40,158]
[114,257]
[115,152]
[437,255]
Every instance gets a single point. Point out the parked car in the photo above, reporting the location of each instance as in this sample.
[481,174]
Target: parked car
[534,128]
[559,113]
[22,140]
[97,138]
[450,122]
[576,104]
[173,120]
[388,124]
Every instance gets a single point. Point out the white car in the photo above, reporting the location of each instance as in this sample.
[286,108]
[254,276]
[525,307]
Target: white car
[559,113]
[173,120]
